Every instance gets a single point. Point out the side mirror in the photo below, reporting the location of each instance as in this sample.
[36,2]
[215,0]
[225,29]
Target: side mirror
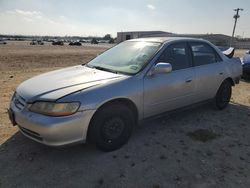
[161,68]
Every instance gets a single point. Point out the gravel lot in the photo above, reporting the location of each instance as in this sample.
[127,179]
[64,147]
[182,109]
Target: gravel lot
[162,152]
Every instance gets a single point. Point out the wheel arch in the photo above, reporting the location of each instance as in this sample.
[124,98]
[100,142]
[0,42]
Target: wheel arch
[123,101]
[221,100]
[230,80]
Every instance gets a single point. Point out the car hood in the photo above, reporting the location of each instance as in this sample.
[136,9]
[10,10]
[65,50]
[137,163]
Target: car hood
[56,84]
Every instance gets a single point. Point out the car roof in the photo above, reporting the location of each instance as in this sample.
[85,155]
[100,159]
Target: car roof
[165,39]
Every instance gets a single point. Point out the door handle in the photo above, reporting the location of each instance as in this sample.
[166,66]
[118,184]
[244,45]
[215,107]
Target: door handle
[221,73]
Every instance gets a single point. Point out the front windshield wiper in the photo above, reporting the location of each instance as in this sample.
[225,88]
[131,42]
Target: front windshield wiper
[103,69]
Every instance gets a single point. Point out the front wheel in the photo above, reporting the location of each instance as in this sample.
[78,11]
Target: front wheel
[111,127]
[223,95]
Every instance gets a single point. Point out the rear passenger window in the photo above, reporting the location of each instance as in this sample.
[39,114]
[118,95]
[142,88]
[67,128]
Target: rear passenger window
[203,54]
[176,55]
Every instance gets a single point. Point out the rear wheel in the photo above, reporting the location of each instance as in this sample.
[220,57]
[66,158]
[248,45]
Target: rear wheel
[223,95]
[111,127]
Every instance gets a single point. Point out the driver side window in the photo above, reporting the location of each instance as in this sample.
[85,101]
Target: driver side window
[176,55]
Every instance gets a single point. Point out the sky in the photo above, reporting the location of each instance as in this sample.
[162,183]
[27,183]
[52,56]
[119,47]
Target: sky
[100,17]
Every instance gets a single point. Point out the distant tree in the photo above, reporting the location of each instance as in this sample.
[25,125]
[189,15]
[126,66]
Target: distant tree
[107,37]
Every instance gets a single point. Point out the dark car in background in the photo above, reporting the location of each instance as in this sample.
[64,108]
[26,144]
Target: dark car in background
[94,41]
[75,43]
[40,42]
[59,43]
[2,42]
[246,65]
[36,42]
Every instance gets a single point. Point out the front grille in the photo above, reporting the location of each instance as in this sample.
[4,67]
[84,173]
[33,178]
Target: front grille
[31,133]
[18,101]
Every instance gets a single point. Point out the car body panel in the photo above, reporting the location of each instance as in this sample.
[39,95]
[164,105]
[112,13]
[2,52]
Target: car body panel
[118,89]
[208,77]
[65,81]
[164,92]
[246,64]
[246,58]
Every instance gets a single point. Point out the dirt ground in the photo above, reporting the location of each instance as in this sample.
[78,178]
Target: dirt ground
[160,153]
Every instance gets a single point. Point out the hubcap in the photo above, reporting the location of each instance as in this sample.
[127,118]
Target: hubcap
[113,128]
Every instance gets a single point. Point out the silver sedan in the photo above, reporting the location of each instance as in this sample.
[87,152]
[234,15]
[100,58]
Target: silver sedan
[103,100]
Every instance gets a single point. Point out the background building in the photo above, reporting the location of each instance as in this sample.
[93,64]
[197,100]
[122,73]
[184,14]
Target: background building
[122,36]
[217,39]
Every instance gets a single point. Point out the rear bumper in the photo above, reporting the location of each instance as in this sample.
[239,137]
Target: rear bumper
[53,131]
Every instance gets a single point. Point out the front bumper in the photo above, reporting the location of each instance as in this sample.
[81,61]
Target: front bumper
[52,131]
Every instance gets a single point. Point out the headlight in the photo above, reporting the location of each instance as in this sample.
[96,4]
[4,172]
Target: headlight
[54,108]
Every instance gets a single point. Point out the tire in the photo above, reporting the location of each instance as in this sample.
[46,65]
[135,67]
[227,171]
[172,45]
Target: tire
[111,127]
[223,95]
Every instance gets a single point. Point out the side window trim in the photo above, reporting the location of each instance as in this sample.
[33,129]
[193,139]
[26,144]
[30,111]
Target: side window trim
[190,54]
[218,58]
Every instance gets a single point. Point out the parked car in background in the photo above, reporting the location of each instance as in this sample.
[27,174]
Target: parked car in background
[103,41]
[36,42]
[33,42]
[246,65]
[3,42]
[227,51]
[59,43]
[94,41]
[85,41]
[75,43]
[104,99]
[40,42]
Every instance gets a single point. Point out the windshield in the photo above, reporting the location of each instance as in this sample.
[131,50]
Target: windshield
[127,57]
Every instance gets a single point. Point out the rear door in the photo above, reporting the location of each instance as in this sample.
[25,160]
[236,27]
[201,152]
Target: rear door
[209,70]
[164,92]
